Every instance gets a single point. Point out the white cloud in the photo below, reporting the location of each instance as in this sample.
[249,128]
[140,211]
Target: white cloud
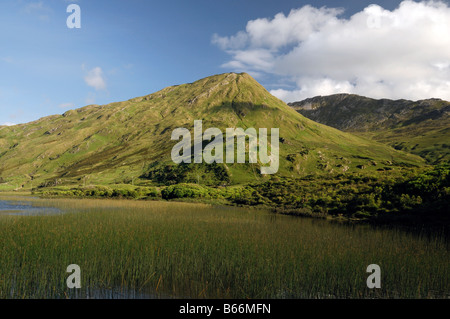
[313,87]
[404,53]
[94,78]
[7,124]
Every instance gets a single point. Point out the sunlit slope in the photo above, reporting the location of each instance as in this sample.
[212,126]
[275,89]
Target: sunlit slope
[119,142]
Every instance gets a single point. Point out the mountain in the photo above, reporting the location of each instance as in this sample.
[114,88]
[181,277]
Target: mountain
[130,141]
[420,127]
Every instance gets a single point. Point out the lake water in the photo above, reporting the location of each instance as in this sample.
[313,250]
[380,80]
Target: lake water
[21,207]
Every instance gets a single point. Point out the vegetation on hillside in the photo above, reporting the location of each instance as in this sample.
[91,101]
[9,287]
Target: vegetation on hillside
[119,142]
[123,150]
[411,196]
[418,127]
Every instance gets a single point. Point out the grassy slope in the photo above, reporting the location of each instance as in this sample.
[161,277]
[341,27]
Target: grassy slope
[418,127]
[429,139]
[115,143]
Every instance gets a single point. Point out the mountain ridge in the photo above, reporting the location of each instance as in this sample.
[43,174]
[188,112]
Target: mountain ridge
[419,127]
[130,140]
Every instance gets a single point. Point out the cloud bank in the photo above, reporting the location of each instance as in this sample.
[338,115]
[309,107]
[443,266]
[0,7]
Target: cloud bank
[404,53]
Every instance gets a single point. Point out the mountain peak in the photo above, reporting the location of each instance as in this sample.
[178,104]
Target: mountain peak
[109,143]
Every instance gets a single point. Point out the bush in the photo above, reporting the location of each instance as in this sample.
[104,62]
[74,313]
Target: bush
[185,191]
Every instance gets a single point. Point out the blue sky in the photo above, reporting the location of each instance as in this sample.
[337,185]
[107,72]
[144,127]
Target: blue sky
[132,48]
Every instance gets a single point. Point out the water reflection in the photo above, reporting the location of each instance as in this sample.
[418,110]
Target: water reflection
[25,208]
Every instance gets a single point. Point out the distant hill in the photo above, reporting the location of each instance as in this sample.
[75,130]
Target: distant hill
[127,141]
[420,127]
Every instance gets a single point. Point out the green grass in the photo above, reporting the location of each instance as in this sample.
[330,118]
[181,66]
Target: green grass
[416,127]
[408,196]
[111,143]
[193,250]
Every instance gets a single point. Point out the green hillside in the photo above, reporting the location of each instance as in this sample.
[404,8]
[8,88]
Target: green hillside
[419,127]
[130,142]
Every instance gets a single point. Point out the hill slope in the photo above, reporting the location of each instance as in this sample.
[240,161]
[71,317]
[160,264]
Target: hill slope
[124,141]
[420,127]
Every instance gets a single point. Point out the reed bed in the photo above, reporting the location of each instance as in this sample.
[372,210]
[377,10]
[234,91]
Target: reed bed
[150,249]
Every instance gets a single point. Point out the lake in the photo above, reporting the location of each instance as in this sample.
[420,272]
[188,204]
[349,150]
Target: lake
[18,206]
[156,249]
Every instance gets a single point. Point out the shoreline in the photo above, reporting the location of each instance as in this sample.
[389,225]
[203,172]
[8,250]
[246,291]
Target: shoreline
[404,221]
